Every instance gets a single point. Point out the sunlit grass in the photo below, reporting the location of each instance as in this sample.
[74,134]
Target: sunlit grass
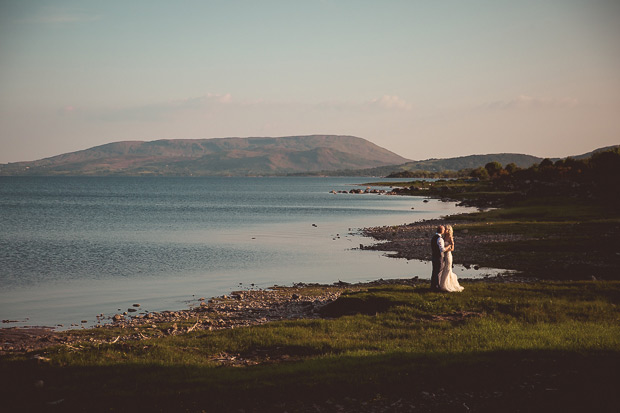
[496,317]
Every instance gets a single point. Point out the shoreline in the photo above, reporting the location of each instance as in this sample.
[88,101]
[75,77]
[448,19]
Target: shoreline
[356,334]
[254,307]
[328,240]
[242,308]
[162,275]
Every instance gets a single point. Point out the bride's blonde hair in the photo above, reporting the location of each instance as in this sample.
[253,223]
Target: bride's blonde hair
[450,233]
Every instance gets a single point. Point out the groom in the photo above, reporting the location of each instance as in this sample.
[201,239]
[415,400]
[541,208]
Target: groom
[437,247]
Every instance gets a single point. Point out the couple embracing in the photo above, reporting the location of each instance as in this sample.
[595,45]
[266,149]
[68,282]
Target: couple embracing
[443,278]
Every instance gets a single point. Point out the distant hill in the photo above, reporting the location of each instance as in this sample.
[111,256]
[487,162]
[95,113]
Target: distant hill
[453,164]
[471,161]
[447,164]
[589,154]
[222,156]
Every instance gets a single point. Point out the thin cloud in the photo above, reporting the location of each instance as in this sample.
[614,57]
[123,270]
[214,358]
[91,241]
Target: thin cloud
[532,102]
[196,102]
[391,102]
[383,103]
[214,102]
[59,17]
[158,111]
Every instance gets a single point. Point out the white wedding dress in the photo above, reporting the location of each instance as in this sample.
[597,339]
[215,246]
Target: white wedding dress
[447,278]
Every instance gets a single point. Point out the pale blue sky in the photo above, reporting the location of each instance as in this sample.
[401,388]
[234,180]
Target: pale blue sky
[421,78]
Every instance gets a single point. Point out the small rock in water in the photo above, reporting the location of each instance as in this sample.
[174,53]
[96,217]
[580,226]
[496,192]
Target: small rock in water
[132,310]
[136,305]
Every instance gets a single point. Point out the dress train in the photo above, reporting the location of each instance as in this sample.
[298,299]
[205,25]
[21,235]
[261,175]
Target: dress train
[447,278]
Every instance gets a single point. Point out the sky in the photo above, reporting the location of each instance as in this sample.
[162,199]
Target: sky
[424,79]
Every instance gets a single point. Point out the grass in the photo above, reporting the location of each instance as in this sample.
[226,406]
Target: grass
[553,209]
[391,341]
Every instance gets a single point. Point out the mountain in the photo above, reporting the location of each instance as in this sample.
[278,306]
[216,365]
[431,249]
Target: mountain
[219,156]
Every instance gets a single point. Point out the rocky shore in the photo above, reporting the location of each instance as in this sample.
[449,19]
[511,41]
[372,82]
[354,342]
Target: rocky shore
[239,309]
[411,241]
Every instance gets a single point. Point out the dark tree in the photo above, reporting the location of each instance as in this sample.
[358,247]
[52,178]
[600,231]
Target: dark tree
[493,168]
[545,163]
[480,173]
[512,168]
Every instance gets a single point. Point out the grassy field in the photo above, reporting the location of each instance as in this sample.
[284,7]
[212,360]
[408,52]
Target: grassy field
[513,346]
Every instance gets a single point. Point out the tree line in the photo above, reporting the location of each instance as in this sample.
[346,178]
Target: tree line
[598,175]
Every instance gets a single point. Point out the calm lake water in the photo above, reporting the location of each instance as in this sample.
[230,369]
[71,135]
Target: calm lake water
[75,247]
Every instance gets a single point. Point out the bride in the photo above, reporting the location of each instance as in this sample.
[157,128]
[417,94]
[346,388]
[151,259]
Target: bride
[447,278]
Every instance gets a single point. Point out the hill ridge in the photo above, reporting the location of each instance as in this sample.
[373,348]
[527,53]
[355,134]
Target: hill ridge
[286,155]
[214,156]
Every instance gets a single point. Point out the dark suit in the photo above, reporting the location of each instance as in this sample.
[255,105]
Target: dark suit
[436,261]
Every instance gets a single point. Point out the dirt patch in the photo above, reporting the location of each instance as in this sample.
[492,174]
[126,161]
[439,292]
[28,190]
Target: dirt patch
[16,339]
